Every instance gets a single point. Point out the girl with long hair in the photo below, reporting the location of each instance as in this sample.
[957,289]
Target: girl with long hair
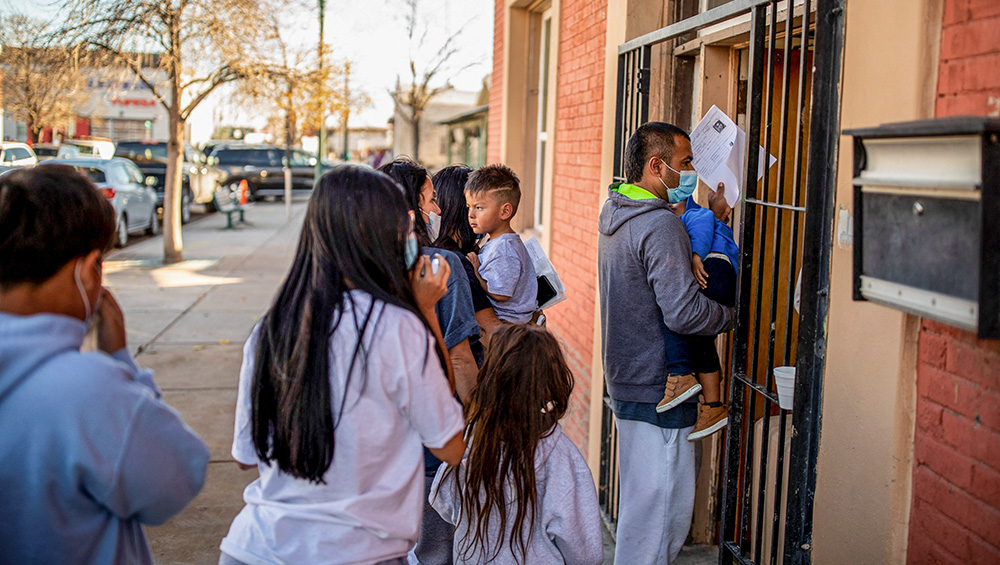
[523,493]
[342,381]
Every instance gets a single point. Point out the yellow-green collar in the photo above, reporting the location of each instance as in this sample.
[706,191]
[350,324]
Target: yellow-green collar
[634,192]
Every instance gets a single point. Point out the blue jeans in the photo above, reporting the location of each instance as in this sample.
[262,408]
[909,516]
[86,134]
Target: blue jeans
[688,354]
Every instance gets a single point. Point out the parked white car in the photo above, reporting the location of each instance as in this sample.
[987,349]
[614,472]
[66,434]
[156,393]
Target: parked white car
[15,154]
[121,181]
[100,148]
[53,151]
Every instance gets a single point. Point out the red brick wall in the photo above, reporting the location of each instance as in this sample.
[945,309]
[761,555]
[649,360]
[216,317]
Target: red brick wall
[955,514]
[495,119]
[576,189]
[969,67]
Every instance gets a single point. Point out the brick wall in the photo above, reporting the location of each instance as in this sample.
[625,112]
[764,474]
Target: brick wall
[577,184]
[955,513]
[495,119]
[955,516]
[969,68]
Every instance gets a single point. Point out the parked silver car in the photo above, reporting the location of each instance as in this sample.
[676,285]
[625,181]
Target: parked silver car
[124,185]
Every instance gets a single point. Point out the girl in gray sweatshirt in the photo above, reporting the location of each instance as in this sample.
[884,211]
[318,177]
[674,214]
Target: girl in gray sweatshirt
[523,492]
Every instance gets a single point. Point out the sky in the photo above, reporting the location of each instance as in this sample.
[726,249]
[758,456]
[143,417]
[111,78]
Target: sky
[372,34]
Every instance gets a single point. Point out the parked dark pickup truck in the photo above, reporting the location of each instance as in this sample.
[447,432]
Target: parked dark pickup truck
[262,166]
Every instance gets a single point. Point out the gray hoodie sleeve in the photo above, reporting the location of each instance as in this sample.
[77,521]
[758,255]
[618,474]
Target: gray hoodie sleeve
[573,523]
[665,251]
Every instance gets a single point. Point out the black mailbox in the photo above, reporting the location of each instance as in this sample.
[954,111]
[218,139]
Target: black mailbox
[927,219]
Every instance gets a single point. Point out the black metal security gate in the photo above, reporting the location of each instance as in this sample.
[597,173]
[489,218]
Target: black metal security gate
[786,221]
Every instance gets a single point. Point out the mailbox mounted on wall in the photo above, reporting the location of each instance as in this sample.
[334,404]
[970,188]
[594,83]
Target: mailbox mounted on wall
[927,219]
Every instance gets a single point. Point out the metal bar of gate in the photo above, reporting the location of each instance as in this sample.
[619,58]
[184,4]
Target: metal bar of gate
[765,434]
[779,469]
[707,18]
[820,188]
[737,392]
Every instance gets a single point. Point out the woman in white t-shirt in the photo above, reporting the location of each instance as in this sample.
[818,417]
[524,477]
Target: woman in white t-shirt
[342,382]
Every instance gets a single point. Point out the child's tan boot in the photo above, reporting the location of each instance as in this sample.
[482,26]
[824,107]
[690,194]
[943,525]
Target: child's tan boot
[678,389]
[710,420]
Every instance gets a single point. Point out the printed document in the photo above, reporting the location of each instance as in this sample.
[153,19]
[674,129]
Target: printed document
[718,145]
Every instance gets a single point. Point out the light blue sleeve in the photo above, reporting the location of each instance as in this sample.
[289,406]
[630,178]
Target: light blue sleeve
[161,465]
[142,376]
[700,225]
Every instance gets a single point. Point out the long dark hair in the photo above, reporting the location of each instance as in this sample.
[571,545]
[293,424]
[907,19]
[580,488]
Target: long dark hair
[523,390]
[353,237]
[456,233]
[411,176]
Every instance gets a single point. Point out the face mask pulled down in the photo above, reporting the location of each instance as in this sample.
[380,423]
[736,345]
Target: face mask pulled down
[90,311]
[433,225]
[411,251]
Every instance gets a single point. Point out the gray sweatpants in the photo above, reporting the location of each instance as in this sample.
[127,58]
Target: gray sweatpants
[657,492]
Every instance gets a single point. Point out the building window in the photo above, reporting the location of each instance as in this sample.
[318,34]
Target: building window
[542,154]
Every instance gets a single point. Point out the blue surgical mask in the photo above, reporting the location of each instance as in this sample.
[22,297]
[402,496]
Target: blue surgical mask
[412,248]
[433,225]
[688,182]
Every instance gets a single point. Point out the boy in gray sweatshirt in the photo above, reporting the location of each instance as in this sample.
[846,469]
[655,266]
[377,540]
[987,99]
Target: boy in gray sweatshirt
[648,292]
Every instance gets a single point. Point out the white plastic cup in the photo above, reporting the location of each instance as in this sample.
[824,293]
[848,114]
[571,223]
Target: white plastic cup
[784,381]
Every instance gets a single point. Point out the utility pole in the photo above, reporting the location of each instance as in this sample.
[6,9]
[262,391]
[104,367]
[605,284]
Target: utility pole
[322,114]
[347,107]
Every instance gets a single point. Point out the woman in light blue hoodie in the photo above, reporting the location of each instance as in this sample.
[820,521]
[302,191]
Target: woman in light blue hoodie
[89,451]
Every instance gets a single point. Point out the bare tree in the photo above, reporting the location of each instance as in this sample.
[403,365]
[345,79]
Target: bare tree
[279,80]
[200,44]
[42,82]
[290,80]
[412,100]
[351,101]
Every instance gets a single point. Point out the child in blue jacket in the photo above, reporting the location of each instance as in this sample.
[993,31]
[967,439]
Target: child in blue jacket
[714,257]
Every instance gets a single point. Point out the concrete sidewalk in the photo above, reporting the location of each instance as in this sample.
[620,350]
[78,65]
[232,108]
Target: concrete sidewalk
[188,323]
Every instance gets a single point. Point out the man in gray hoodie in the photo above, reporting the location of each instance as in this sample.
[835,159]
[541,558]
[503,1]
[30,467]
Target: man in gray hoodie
[90,453]
[647,288]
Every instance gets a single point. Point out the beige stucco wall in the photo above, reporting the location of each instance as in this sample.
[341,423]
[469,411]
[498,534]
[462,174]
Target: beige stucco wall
[865,456]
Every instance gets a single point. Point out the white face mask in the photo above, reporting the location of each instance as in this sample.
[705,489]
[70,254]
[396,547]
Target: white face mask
[433,225]
[90,311]
[83,291]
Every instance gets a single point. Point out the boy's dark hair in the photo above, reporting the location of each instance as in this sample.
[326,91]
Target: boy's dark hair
[49,215]
[499,180]
[652,139]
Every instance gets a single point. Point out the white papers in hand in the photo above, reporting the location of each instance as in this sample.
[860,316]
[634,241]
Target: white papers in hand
[718,145]
[544,269]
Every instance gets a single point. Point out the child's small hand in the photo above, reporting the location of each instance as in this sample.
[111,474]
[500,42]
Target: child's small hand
[474,259]
[717,203]
[698,268]
[428,286]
